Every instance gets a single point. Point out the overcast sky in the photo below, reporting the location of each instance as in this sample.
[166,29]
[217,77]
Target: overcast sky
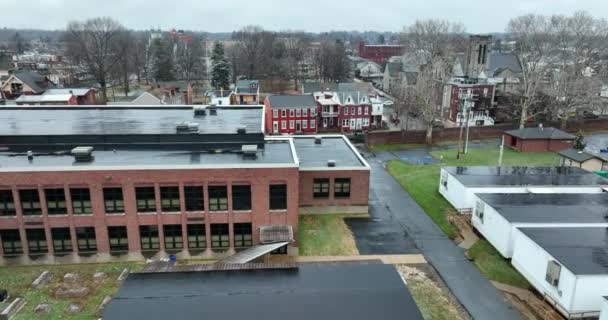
[478,16]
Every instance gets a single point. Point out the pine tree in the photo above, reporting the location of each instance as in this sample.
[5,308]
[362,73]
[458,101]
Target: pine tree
[579,142]
[220,73]
[164,66]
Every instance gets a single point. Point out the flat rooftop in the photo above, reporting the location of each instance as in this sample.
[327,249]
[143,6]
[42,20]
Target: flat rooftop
[525,176]
[312,155]
[330,291]
[276,152]
[549,208]
[123,120]
[584,251]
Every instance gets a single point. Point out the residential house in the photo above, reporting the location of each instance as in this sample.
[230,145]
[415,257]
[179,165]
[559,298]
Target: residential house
[477,98]
[291,114]
[583,159]
[84,96]
[219,97]
[246,92]
[25,83]
[538,139]
[369,71]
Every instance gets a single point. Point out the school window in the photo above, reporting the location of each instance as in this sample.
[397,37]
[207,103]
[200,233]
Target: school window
[113,201]
[81,201]
[55,201]
[342,187]
[146,200]
[218,198]
[220,238]
[62,240]
[194,198]
[275,113]
[241,198]
[11,242]
[291,124]
[118,238]
[305,112]
[169,199]
[7,203]
[196,236]
[291,112]
[36,240]
[148,238]
[283,113]
[87,242]
[30,202]
[173,236]
[283,124]
[312,124]
[320,188]
[242,235]
[304,124]
[278,197]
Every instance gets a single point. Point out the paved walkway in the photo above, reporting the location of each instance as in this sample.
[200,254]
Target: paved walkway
[390,203]
[385,258]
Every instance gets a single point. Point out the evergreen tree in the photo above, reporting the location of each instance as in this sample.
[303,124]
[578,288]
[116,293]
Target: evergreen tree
[579,142]
[164,66]
[220,73]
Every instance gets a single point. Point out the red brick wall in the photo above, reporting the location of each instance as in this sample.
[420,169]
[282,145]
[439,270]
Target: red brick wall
[270,119]
[359,194]
[259,179]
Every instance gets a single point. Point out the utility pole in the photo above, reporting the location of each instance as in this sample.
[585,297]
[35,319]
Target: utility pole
[501,149]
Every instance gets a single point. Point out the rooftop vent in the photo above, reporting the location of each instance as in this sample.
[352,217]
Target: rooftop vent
[212,110]
[187,127]
[249,151]
[83,154]
[331,163]
[318,140]
[241,130]
[30,155]
[200,111]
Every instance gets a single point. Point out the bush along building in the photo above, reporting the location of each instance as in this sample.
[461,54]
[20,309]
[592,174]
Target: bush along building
[104,183]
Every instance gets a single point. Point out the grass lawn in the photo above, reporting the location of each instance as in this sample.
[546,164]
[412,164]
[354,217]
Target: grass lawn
[422,181]
[325,235]
[389,147]
[17,280]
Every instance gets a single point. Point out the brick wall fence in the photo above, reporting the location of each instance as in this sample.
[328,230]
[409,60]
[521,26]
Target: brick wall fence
[475,133]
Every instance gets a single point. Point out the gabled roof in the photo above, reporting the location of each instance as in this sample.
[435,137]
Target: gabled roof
[79,92]
[43,98]
[292,101]
[32,79]
[394,68]
[312,87]
[538,133]
[581,156]
[501,61]
[363,87]
[247,86]
[146,98]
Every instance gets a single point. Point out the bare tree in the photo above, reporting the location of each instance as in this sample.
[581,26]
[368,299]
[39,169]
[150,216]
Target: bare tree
[255,47]
[124,48]
[296,46]
[189,58]
[331,62]
[93,44]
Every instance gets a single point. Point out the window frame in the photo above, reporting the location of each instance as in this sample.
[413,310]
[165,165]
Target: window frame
[12,237]
[241,193]
[218,201]
[196,238]
[320,188]
[7,203]
[277,198]
[145,203]
[56,203]
[342,188]
[33,200]
[90,244]
[117,200]
[62,240]
[121,234]
[223,238]
[149,239]
[42,245]
[313,123]
[169,193]
[194,198]
[81,201]
[242,235]
[173,237]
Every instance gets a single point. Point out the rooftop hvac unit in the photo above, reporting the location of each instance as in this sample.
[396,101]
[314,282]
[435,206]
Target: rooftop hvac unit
[318,140]
[213,110]
[186,127]
[83,154]
[249,151]
[331,163]
[241,130]
[200,111]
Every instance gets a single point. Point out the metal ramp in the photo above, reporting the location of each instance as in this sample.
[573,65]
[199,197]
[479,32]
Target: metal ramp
[252,253]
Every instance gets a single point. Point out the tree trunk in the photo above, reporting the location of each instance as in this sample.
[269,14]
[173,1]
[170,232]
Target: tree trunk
[524,117]
[126,83]
[563,123]
[429,134]
[104,92]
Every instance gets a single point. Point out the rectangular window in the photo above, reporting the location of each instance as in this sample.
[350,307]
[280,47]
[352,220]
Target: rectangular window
[146,200]
[242,235]
[81,201]
[313,112]
[345,122]
[283,124]
[196,236]
[169,199]
[305,112]
[479,208]
[36,240]
[345,111]
[113,201]
[320,188]
[194,198]
[365,110]
[275,113]
[298,112]
[358,110]
[118,238]
[291,112]
[7,203]
[55,201]
[173,236]
[30,202]
[352,110]
[278,197]
[342,188]
[87,242]
[283,113]
[62,240]
[148,238]
[218,198]
[352,123]
[365,122]
[312,124]
[11,242]
[291,124]
[220,238]
[304,123]
[241,198]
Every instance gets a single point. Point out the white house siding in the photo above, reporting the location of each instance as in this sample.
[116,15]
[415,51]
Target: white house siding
[496,229]
[590,292]
[604,314]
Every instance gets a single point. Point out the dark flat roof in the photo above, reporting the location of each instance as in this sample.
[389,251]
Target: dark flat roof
[525,176]
[276,152]
[331,148]
[537,133]
[292,101]
[584,251]
[336,291]
[114,120]
[549,208]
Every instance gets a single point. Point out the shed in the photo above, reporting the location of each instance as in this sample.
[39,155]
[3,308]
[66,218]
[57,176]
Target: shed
[497,216]
[583,159]
[459,185]
[567,266]
[538,139]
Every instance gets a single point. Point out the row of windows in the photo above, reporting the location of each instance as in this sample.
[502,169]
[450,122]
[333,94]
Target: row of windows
[298,112]
[320,188]
[145,199]
[353,122]
[298,125]
[119,241]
